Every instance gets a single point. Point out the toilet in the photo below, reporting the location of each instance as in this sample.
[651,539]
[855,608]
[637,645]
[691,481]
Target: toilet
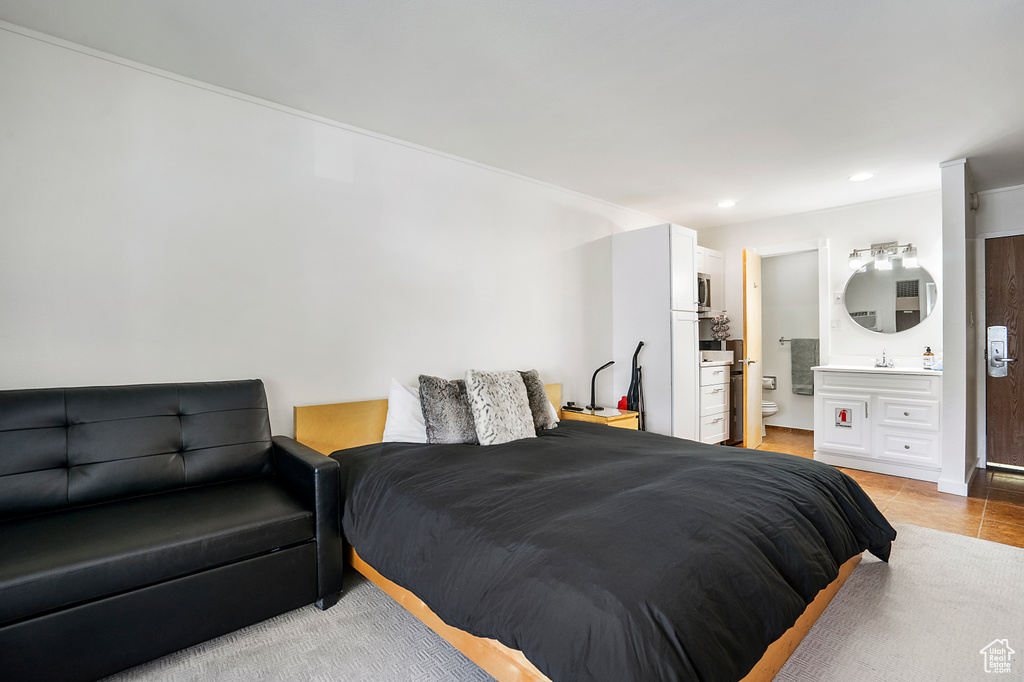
[768,407]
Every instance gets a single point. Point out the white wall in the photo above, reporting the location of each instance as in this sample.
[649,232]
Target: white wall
[158,229]
[916,218]
[1000,212]
[789,309]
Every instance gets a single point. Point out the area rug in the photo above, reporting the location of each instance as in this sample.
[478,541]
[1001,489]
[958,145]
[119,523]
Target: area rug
[927,615]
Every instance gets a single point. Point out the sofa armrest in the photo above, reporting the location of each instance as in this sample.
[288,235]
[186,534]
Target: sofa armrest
[315,479]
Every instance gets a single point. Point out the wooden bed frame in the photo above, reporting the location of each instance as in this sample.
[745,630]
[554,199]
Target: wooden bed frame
[327,428]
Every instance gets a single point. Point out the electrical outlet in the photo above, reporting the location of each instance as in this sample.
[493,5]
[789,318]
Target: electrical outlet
[837,323]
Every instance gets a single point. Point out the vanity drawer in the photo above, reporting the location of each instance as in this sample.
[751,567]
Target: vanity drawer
[714,428]
[913,414]
[909,385]
[710,376]
[908,447]
[714,399]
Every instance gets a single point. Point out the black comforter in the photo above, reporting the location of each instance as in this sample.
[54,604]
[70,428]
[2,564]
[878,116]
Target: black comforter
[607,554]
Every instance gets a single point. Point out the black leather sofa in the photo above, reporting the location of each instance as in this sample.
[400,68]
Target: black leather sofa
[139,520]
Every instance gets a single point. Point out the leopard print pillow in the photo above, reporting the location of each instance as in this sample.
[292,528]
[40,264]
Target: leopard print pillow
[500,406]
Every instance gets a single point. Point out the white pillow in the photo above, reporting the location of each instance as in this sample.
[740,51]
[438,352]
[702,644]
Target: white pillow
[404,423]
[500,406]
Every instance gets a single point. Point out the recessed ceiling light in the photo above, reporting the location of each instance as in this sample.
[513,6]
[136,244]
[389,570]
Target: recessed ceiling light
[728,203]
[861,177]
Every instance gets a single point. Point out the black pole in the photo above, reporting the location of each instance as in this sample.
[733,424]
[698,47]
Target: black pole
[593,401]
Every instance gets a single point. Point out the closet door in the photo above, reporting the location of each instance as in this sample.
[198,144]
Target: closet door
[685,380]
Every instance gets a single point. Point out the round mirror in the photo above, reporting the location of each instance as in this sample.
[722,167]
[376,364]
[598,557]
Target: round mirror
[890,301]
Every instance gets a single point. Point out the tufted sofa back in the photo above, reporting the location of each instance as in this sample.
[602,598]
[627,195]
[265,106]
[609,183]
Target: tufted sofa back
[65,447]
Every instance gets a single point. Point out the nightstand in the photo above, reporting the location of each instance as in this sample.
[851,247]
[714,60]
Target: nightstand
[621,419]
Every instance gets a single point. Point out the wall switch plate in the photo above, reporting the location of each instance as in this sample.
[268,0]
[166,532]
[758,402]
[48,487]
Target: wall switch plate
[837,297]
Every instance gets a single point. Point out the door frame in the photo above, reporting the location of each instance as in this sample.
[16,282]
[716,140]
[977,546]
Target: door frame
[980,331]
[825,300]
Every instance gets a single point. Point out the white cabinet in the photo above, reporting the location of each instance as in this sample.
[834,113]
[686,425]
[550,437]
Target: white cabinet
[714,403]
[684,277]
[841,425]
[712,263]
[654,300]
[685,356]
[885,421]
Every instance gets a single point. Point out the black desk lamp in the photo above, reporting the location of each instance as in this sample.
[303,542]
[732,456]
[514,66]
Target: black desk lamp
[593,401]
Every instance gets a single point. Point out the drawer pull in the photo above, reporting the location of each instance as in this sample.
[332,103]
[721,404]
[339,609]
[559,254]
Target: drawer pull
[906,414]
[715,421]
[718,390]
[906,447]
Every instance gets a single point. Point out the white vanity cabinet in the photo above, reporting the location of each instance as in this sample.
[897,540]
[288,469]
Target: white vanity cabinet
[884,420]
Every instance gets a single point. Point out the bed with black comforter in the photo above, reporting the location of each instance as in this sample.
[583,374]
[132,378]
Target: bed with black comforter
[608,554]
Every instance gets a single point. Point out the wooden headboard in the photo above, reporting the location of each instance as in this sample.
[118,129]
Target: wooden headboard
[337,426]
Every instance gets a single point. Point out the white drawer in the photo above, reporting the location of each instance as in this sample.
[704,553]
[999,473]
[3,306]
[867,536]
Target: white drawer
[912,414]
[909,385]
[909,447]
[714,428]
[714,375]
[714,399]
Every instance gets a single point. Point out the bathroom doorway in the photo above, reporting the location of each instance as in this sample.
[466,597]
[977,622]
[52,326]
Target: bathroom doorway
[791,337]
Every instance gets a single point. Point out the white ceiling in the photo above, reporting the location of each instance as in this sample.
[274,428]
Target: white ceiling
[665,106]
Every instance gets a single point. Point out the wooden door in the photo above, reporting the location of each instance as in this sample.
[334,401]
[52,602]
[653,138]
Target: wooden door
[752,348]
[1004,277]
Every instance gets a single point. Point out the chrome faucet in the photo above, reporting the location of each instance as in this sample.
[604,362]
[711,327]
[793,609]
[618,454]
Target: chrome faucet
[883,362]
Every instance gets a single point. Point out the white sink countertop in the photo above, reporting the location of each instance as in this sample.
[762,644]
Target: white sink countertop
[876,370]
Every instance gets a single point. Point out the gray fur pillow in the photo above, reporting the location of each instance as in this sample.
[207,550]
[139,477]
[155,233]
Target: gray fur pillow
[446,413]
[544,416]
[501,408]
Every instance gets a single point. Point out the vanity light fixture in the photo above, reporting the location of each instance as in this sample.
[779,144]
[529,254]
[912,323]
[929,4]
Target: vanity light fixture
[860,177]
[728,203]
[910,256]
[882,261]
[882,255]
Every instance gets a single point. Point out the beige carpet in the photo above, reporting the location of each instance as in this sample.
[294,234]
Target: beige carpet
[924,616]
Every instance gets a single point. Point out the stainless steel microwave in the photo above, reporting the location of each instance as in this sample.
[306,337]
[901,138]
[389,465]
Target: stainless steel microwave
[703,292]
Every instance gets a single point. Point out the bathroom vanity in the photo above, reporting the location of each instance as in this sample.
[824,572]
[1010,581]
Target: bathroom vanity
[881,419]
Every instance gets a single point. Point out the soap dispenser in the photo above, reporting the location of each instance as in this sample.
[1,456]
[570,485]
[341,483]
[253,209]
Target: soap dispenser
[929,357]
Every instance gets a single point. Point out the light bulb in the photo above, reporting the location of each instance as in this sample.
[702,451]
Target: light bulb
[910,257]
